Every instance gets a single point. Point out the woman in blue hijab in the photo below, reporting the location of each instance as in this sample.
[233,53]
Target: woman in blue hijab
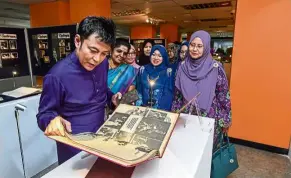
[156,80]
[180,56]
[183,51]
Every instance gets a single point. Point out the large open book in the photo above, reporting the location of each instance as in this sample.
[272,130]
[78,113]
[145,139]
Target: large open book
[130,136]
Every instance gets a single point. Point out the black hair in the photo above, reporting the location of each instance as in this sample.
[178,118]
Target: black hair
[177,43]
[123,42]
[142,58]
[147,41]
[103,27]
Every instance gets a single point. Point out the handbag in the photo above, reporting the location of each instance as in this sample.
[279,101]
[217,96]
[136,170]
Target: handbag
[224,159]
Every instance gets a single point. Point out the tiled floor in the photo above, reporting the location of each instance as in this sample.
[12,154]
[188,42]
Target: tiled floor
[253,163]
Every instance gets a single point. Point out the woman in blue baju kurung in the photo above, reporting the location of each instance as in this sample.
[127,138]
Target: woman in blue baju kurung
[155,81]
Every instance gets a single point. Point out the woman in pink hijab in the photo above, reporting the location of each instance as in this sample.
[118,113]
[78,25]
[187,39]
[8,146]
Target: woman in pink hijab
[131,57]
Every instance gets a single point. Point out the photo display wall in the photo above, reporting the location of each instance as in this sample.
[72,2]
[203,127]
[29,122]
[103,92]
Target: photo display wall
[48,45]
[61,44]
[13,55]
[138,43]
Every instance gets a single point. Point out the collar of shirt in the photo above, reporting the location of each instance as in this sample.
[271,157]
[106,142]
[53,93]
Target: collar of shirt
[75,59]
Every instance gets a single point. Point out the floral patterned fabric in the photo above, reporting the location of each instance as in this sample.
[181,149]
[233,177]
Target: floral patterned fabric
[220,108]
[162,91]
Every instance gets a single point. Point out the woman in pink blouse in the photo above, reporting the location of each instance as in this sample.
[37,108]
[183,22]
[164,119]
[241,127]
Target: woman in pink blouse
[131,57]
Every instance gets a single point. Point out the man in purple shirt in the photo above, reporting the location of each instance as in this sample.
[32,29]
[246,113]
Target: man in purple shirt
[75,91]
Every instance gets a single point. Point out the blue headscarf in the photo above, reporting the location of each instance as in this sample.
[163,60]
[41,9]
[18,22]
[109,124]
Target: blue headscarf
[164,65]
[184,43]
[163,88]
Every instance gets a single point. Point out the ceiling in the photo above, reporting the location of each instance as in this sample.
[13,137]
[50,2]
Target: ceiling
[189,15]
[26,1]
[15,13]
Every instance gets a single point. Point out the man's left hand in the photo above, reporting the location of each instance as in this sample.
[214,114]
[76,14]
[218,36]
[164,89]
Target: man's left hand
[115,98]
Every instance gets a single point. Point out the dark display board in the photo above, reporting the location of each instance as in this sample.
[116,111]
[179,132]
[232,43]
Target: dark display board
[13,56]
[137,43]
[48,45]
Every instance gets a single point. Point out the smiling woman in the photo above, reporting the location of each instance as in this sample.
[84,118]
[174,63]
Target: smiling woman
[156,58]
[121,76]
[156,81]
[199,73]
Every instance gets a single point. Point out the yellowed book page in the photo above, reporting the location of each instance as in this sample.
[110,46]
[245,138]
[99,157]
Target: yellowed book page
[131,135]
[142,157]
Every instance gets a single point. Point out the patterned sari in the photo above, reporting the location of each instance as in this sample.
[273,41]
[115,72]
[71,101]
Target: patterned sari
[121,78]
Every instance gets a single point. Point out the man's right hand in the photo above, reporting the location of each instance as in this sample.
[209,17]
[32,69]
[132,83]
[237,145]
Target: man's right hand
[57,127]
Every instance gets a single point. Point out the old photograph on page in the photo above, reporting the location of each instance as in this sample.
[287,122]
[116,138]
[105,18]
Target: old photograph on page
[132,134]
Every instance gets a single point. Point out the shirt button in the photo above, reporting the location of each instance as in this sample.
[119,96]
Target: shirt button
[97,90]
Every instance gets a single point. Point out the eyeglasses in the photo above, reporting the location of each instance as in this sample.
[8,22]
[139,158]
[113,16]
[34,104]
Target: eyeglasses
[183,52]
[197,46]
[131,54]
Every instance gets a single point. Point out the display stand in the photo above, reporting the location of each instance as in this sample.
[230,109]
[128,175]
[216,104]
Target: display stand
[189,149]
[188,154]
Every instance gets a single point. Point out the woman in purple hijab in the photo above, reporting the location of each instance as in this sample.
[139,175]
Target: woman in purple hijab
[199,73]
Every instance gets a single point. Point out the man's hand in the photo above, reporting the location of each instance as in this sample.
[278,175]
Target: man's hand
[115,98]
[57,127]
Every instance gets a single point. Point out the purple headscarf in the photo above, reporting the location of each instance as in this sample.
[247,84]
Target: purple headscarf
[199,75]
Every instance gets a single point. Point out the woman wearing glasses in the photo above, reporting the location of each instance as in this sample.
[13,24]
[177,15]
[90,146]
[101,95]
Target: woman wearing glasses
[183,51]
[199,73]
[131,57]
[155,81]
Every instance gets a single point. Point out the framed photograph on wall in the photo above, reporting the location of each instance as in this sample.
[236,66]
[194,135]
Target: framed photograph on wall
[14,55]
[12,44]
[4,44]
[13,52]
[5,56]
[55,44]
